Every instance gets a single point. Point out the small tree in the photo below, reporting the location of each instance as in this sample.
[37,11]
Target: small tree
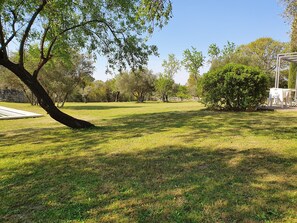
[112,92]
[164,86]
[234,87]
[193,61]
[182,92]
[139,83]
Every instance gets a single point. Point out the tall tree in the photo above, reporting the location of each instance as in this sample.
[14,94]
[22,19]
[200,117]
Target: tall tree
[193,60]
[194,86]
[171,66]
[262,53]
[115,29]
[165,82]
[290,9]
[228,49]
[213,51]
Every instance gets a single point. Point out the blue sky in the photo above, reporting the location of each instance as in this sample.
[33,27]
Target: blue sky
[199,23]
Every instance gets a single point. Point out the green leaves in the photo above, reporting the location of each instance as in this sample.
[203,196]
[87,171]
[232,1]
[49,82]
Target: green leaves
[234,87]
[115,29]
[193,60]
[171,66]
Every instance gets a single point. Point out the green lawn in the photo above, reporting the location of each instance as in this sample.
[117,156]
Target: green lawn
[150,162]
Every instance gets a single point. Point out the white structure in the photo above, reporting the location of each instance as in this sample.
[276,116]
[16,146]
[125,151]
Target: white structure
[282,95]
[9,113]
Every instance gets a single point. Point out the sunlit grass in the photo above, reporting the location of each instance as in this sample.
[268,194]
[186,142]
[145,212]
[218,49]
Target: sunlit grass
[150,162]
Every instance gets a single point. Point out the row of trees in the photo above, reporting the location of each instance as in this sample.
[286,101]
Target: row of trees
[70,77]
[139,85]
[261,54]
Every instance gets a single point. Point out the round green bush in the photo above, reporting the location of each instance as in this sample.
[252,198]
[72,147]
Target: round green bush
[234,87]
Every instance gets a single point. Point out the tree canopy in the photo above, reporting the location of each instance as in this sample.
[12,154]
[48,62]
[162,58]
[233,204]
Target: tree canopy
[260,53]
[112,28]
[115,29]
[193,60]
[290,9]
[171,66]
[139,83]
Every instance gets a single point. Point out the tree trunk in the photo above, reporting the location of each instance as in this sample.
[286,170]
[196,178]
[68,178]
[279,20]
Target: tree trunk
[61,103]
[43,98]
[140,98]
[163,98]
[117,96]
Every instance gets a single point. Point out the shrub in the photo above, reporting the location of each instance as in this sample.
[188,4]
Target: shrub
[234,87]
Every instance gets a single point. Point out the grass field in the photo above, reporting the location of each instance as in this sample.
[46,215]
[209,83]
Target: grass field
[150,162]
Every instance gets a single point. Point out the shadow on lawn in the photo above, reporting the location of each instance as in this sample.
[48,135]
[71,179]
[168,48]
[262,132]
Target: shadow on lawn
[203,123]
[197,124]
[165,184]
[97,107]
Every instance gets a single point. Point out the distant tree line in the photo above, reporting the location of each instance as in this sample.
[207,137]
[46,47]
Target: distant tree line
[70,78]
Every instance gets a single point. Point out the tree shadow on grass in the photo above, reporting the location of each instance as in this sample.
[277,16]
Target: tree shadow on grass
[98,107]
[196,124]
[209,123]
[165,184]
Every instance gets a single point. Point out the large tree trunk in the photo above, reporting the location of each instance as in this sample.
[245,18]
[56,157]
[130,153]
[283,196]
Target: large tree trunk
[43,98]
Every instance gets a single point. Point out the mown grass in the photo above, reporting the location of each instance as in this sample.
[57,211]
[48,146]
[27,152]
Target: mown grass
[149,162]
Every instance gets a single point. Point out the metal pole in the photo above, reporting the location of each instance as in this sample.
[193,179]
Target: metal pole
[276,72]
[277,83]
[295,88]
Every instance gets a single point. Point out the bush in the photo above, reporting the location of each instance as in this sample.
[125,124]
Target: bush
[234,87]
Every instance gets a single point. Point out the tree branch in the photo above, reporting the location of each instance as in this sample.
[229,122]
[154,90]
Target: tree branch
[45,59]
[28,28]
[3,52]
[42,42]
[42,62]
[14,32]
[13,28]
[77,26]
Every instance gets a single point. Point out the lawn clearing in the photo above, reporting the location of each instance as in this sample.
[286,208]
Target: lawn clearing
[151,162]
